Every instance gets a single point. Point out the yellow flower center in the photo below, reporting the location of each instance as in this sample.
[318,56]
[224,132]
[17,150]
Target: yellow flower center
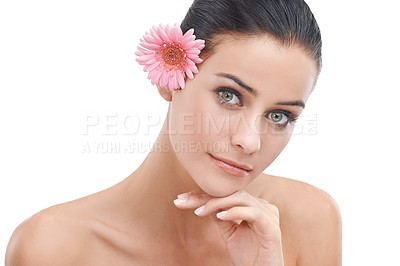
[172,55]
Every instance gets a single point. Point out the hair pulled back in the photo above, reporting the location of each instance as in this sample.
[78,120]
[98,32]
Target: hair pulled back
[287,21]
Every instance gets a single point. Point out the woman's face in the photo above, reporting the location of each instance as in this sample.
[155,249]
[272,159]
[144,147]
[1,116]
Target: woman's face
[238,108]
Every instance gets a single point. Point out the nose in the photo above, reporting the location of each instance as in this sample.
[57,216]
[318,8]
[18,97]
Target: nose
[245,135]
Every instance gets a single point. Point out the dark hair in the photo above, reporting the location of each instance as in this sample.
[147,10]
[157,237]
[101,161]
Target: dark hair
[286,21]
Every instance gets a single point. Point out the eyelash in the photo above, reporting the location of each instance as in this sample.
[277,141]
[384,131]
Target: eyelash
[291,119]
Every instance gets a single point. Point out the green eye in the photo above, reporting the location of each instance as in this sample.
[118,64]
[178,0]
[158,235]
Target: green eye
[281,118]
[227,95]
[278,118]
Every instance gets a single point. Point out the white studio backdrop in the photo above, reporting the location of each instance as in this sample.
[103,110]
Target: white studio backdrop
[65,65]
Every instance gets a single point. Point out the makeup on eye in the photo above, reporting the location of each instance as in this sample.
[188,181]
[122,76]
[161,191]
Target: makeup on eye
[253,91]
[289,118]
[225,94]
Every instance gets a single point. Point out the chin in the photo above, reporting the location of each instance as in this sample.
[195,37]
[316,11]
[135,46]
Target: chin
[220,193]
[210,178]
[218,183]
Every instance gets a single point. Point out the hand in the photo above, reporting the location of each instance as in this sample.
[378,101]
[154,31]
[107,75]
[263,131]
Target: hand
[256,239]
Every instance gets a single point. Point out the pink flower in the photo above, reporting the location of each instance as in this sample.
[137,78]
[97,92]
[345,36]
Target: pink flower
[169,56]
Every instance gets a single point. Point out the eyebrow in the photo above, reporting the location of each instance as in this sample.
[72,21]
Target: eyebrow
[254,92]
[238,81]
[293,103]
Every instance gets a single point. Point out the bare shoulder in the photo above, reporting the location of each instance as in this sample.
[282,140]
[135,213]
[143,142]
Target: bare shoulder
[311,217]
[52,236]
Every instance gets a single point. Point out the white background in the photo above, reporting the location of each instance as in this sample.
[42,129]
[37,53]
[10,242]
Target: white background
[62,61]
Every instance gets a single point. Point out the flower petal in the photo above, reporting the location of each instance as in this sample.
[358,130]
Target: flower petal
[168,31]
[163,35]
[190,63]
[194,58]
[194,69]
[152,61]
[150,46]
[154,65]
[156,78]
[175,33]
[143,50]
[148,38]
[187,45]
[151,74]
[156,36]
[170,84]
[200,42]
[140,53]
[144,58]
[179,31]
[169,76]
[189,35]
[164,79]
[174,81]
[197,60]
[181,80]
[193,51]
[188,72]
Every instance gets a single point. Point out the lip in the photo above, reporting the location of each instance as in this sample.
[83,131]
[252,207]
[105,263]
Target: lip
[231,167]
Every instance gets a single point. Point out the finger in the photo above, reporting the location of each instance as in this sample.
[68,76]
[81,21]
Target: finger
[239,198]
[191,200]
[258,219]
[226,228]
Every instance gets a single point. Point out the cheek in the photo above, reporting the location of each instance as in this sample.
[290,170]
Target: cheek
[272,145]
[196,116]
[187,121]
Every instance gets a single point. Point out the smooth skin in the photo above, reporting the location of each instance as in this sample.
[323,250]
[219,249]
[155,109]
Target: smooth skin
[269,220]
[254,241]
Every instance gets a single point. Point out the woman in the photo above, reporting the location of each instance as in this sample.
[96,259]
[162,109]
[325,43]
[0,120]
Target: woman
[260,63]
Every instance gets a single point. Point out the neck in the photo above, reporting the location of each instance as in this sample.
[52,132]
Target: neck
[152,189]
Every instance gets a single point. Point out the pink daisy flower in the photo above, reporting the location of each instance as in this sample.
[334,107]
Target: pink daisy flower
[169,56]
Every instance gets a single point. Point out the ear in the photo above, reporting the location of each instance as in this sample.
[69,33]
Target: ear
[165,93]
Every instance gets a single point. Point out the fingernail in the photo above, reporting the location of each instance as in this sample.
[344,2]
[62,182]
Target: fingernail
[184,195]
[180,201]
[199,210]
[221,214]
